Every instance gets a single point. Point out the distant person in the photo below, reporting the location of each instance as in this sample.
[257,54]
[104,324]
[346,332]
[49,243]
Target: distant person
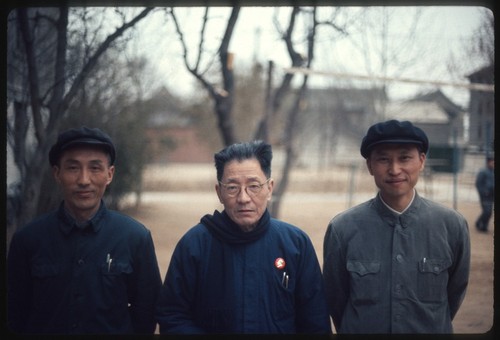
[485,185]
[82,269]
[239,270]
[398,263]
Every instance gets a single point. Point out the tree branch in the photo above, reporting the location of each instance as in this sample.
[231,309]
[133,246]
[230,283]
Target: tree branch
[194,71]
[60,64]
[34,84]
[226,62]
[93,59]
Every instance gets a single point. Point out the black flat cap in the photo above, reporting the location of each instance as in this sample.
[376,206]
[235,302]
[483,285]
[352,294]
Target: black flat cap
[393,132]
[78,137]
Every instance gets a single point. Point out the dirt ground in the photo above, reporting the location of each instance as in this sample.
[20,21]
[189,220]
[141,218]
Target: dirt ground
[177,196]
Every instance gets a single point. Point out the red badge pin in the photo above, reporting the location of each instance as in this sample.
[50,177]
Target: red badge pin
[279,263]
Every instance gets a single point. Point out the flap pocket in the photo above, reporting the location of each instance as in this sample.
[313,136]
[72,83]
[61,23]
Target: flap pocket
[116,268]
[42,270]
[363,267]
[435,266]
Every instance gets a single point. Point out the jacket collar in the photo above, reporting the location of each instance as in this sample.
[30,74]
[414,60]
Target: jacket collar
[226,230]
[393,218]
[68,223]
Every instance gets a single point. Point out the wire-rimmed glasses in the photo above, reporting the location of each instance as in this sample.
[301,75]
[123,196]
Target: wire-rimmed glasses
[252,189]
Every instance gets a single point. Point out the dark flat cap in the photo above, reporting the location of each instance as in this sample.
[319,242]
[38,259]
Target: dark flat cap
[393,132]
[78,137]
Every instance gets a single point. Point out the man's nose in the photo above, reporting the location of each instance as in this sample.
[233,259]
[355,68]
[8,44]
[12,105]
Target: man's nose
[84,177]
[243,194]
[394,167]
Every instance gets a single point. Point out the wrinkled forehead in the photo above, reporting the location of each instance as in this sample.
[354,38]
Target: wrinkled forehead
[243,169]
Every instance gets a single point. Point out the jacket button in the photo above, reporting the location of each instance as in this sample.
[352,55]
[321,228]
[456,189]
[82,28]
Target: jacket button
[81,262]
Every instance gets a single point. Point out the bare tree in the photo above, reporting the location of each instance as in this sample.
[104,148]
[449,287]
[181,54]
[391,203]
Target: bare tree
[41,88]
[275,98]
[482,44]
[299,102]
[388,54]
[298,105]
[478,49]
[223,96]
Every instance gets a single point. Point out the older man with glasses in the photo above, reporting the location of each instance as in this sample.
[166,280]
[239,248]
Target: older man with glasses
[239,270]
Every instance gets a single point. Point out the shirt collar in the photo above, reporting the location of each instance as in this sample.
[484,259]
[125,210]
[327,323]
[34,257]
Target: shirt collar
[69,223]
[395,211]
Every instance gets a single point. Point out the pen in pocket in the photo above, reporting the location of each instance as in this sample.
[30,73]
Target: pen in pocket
[284,280]
[108,261]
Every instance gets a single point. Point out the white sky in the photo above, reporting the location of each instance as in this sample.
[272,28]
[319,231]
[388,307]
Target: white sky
[441,33]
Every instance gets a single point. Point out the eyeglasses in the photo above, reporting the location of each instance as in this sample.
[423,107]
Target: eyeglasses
[252,189]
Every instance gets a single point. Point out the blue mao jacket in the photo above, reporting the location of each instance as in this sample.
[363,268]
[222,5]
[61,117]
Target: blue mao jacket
[101,279]
[222,284]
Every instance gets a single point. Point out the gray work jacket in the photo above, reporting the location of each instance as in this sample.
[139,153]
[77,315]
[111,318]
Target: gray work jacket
[389,273]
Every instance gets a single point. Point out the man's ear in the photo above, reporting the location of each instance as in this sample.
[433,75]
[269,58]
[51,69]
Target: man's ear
[423,158]
[111,173]
[369,166]
[218,191]
[271,187]
[55,172]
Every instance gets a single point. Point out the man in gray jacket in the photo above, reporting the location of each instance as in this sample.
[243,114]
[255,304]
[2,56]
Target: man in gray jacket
[397,263]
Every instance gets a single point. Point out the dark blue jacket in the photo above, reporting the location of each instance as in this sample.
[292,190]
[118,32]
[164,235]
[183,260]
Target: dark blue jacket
[225,282]
[61,281]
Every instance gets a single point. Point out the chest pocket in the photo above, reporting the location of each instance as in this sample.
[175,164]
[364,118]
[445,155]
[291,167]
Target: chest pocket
[45,277]
[45,270]
[116,268]
[115,279]
[365,281]
[116,275]
[433,279]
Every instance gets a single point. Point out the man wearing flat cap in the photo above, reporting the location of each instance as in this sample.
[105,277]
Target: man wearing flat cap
[82,269]
[398,263]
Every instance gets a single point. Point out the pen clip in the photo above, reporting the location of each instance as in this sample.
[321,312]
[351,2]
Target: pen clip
[284,280]
[108,261]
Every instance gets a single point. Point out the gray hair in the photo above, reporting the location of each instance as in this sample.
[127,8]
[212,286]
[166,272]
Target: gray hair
[241,151]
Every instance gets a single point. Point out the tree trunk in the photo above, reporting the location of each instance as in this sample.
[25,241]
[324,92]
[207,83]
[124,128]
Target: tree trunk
[290,152]
[31,159]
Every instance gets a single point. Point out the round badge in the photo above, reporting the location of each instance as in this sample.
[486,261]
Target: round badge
[279,263]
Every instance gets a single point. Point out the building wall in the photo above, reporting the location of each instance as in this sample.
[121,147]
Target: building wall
[482,111]
[180,144]
[482,120]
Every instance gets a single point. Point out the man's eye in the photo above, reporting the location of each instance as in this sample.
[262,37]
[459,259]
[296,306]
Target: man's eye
[254,187]
[232,188]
